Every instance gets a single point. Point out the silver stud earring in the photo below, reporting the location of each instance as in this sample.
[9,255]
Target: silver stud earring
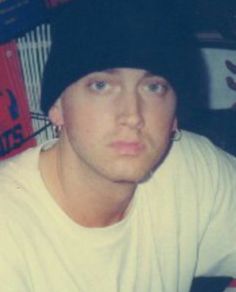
[57,130]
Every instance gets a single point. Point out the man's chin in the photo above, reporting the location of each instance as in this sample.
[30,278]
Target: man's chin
[134,178]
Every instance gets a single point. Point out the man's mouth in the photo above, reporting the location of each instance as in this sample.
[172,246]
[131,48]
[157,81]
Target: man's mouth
[131,148]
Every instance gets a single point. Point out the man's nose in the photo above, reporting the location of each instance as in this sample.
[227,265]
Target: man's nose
[131,110]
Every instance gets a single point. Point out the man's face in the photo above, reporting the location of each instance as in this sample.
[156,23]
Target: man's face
[117,123]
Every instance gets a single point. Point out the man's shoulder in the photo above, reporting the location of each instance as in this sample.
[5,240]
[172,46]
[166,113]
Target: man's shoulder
[192,172]
[195,158]
[16,175]
[22,163]
[195,142]
[199,149]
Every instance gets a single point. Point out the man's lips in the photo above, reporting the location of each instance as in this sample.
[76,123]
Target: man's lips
[128,147]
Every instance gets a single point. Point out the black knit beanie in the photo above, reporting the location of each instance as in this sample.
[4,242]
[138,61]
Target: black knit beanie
[93,35]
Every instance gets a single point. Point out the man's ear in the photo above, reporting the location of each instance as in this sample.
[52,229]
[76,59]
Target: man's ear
[55,114]
[175,124]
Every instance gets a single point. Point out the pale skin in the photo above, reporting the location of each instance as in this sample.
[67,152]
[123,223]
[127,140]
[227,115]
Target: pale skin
[116,127]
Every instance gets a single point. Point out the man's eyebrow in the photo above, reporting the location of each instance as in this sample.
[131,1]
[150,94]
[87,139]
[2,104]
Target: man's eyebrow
[159,77]
[150,74]
[111,71]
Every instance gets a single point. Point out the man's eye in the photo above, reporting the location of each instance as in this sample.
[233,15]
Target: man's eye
[156,87]
[100,85]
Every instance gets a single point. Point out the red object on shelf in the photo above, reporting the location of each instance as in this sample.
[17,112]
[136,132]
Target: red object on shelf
[15,122]
[233,284]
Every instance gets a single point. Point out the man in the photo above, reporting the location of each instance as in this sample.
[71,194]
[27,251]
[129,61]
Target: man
[122,201]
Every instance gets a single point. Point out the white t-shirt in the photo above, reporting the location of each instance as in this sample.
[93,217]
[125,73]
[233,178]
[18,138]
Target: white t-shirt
[182,224]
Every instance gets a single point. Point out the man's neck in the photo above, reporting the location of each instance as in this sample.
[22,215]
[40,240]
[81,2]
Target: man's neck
[89,201]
